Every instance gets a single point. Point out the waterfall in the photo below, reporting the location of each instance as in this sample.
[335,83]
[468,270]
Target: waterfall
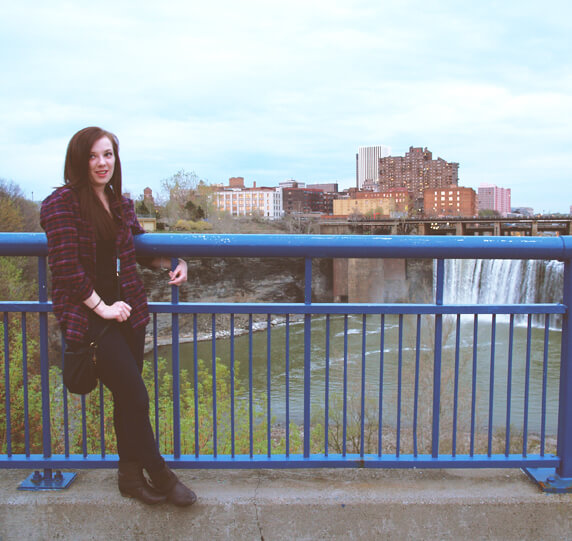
[504,281]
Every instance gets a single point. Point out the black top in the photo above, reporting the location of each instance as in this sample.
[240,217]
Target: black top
[106,271]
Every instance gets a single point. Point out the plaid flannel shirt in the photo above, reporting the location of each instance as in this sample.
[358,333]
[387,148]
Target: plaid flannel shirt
[71,257]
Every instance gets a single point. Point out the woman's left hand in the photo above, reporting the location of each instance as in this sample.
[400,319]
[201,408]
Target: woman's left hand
[179,275]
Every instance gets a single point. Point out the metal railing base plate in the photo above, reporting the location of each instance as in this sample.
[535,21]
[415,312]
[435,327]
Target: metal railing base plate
[549,481]
[48,480]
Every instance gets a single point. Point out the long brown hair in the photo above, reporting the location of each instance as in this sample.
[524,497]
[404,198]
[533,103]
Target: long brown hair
[76,175]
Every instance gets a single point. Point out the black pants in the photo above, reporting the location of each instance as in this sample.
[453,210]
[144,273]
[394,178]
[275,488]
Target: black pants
[119,364]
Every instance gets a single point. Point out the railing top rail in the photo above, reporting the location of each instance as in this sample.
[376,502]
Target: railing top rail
[388,246]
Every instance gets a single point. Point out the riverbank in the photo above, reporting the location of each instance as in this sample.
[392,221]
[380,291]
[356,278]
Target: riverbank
[186,337]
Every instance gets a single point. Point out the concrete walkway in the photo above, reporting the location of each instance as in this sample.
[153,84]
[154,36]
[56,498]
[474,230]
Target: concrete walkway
[294,504]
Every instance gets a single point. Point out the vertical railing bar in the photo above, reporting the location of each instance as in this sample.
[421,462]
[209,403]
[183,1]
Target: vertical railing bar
[399,386]
[287,384]
[175,352]
[268,387]
[196,382]
[25,385]
[44,362]
[232,431]
[416,388]
[156,382]
[380,399]
[491,385]
[544,384]
[307,354]
[456,385]
[438,354]
[327,389]
[474,383]
[214,383]
[509,384]
[345,389]
[7,398]
[83,425]
[250,390]
[101,421]
[526,387]
[65,402]
[362,398]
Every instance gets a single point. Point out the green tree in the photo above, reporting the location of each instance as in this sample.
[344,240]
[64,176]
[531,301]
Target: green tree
[17,214]
[141,208]
[489,213]
[178,190]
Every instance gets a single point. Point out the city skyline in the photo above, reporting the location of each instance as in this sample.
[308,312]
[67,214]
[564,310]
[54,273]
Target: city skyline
[277,92]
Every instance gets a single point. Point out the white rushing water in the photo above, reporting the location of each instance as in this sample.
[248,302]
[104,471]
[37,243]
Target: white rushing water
[503,281]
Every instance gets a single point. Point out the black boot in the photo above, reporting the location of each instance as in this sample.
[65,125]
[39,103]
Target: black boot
[132,484]
[166,482]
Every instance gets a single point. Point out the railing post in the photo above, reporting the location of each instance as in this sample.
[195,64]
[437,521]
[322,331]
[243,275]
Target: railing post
[565,405]
[50,480]
[560,480]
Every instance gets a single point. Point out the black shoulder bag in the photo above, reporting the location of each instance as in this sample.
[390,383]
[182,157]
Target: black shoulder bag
[80,370]
[80,366]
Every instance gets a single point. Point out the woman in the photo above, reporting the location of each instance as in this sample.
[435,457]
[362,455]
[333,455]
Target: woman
[90,228]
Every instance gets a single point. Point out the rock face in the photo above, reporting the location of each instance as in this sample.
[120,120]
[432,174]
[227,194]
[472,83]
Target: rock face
[236,280]
[244,280]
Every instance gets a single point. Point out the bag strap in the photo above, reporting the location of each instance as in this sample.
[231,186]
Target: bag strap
[101,333]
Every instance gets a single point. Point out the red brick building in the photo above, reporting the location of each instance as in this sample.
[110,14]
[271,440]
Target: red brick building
[305,201]
[417,171]
[451,201]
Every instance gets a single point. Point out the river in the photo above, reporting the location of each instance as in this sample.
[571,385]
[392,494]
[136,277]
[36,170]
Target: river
[344,351]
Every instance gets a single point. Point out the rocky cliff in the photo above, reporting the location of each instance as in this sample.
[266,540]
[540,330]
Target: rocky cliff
[235,280]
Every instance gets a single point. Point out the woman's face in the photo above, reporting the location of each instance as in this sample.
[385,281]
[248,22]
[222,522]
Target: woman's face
[101,163]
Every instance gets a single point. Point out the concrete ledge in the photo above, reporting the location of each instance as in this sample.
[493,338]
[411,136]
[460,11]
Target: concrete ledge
[295,504]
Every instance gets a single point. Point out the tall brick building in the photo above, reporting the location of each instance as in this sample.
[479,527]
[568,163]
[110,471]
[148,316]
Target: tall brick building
[416,171]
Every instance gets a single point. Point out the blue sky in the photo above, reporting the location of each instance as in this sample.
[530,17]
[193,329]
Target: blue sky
[272,91]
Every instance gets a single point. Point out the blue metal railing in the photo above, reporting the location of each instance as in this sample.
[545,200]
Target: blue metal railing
[342,422]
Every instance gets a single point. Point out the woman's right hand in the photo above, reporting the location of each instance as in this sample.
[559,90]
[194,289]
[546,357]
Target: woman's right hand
[119,311]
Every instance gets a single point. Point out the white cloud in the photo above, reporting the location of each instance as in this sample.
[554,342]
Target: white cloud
[269,90]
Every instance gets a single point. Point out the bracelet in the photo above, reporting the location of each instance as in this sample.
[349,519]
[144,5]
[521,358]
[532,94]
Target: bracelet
[98,303]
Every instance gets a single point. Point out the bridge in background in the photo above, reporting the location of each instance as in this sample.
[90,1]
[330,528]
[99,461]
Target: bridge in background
[528,227]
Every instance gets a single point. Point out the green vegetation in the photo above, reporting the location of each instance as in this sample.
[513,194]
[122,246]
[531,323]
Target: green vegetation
[25,389]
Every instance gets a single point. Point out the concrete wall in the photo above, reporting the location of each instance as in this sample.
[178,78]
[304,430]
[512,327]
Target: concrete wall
[370,280]
[295,505]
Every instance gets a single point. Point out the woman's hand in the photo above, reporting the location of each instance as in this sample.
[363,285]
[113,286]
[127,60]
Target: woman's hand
[119,311]
[179,275]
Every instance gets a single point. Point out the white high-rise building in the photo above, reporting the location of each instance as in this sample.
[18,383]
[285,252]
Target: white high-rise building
[367,166]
